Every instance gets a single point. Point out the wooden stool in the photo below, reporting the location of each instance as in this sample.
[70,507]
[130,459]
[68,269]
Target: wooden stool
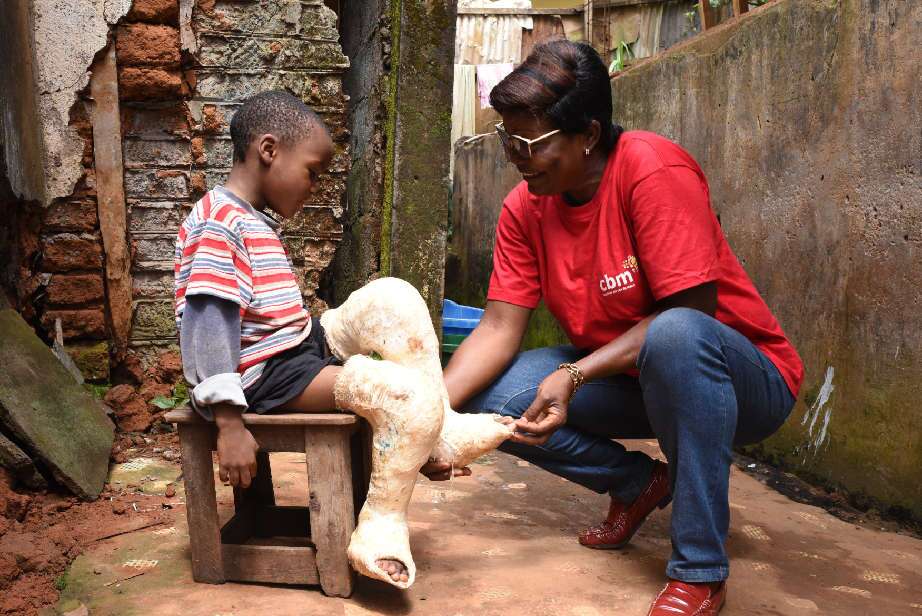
[263,542]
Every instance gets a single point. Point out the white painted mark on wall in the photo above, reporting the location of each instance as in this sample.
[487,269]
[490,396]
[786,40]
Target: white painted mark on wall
[819,407]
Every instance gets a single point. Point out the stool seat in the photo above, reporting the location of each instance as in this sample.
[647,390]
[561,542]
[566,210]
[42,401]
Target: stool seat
[188,415]
[264,542]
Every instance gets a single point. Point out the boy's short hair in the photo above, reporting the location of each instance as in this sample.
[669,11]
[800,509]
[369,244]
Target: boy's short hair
[276,112]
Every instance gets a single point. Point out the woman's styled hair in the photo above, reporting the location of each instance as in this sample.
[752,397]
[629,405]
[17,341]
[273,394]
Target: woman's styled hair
[565,82]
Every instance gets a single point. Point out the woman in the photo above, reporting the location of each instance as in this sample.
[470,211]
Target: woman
[614,231]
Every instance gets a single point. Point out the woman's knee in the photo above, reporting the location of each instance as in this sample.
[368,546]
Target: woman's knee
[677,342]
[677,330]
[523,375]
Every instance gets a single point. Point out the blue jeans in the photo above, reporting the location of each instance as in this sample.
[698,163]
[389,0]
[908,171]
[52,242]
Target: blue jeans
[703,388]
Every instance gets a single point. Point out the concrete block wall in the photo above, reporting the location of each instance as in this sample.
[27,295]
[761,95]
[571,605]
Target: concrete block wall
[805,116]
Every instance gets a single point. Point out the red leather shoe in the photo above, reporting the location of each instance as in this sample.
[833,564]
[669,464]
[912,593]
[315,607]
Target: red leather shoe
[624,520]
[685,599]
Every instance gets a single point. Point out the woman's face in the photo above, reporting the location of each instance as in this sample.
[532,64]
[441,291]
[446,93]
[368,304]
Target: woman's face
[557,162]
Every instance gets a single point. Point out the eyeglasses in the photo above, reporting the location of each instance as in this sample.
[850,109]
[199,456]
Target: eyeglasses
[519,146]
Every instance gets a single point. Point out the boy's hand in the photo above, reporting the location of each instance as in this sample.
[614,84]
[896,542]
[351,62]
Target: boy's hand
[236,449]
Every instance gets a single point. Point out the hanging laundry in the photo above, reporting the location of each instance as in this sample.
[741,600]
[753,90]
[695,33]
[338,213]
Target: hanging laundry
[488,75]
[464,96]
[463,101]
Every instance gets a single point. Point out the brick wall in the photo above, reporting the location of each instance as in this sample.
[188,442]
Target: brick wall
[157,152]
[62,276]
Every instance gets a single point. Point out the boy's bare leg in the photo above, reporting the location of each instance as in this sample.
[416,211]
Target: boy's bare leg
[318,397]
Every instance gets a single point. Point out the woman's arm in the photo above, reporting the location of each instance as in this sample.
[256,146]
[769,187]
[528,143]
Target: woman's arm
[549,409]
[620,355]
[486,352]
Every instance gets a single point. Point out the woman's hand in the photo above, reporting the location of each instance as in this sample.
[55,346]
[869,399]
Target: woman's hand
[236,449]
[548,411]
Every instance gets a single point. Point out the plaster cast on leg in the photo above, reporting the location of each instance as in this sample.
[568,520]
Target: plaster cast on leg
[405,413]
[389,317]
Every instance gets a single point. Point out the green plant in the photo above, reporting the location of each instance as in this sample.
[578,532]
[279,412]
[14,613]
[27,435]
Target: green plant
[60,582]
[99,391]
[179,398]
[619,56]
[690,18]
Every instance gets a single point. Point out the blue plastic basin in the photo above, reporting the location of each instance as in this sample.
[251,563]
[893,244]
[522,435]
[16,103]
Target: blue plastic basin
[459,319]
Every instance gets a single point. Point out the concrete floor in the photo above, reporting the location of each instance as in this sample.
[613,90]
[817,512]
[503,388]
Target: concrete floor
[503,542]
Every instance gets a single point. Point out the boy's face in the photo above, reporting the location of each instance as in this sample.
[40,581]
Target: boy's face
[294,170]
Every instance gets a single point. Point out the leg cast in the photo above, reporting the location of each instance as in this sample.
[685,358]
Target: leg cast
[405,412]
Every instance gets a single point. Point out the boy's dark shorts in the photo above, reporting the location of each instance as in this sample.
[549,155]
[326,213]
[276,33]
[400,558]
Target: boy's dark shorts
[288,374]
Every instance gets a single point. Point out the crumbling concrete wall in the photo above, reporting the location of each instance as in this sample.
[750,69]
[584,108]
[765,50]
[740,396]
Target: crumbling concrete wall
[183,67]
[66,36]
[54,251]
[19,123]
[805,115]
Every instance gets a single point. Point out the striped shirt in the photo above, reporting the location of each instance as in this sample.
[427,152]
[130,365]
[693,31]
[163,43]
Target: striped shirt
[227,249]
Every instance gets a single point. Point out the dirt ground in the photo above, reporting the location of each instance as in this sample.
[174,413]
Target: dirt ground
[499,542]
[41,533]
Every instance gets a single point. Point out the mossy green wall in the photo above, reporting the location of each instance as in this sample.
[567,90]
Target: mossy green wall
[402,52]
[416,214]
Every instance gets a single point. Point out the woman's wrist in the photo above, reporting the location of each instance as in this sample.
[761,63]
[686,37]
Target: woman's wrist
[575,375]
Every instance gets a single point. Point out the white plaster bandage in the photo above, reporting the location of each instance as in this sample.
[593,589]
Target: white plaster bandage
[405,400]
[405,413]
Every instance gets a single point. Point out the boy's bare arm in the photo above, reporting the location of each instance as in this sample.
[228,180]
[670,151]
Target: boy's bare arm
[236,447]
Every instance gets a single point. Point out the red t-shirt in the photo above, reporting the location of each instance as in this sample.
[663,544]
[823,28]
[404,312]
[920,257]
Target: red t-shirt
[648,232]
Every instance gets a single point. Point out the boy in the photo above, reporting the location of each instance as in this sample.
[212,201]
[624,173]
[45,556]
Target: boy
[248,344]
[237,299]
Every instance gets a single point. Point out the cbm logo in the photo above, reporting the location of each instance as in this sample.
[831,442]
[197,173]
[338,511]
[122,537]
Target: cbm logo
[609,285]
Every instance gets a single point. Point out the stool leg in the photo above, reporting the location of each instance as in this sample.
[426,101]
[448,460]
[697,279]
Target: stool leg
[201,505]
[329,477]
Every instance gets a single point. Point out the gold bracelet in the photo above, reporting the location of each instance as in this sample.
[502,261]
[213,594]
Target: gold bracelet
[576,375]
